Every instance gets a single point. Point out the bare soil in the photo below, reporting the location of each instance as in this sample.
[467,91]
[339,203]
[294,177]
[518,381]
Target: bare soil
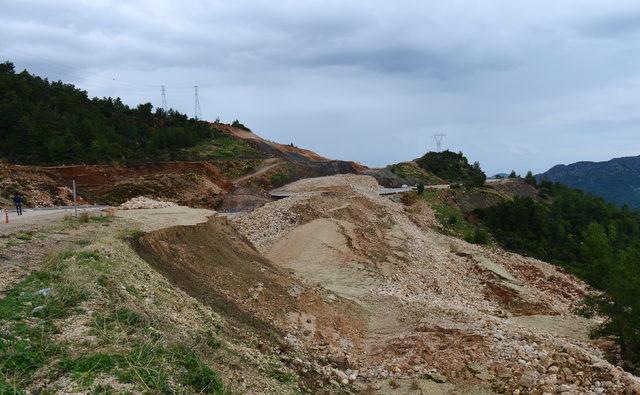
[434,302]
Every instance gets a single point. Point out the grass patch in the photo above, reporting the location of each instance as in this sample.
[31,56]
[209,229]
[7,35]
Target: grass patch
[129,350]
[414,174]
[226,147]
[452,219]
[21,237]
[281,373]
[278,179]
[149,365]
[195,373]
[24,236]
[131,234]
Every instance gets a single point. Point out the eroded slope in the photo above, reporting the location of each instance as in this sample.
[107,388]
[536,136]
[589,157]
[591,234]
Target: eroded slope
[437,305]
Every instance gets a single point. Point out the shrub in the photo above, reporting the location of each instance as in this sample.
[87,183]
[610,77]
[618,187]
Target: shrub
[478,236]
[420,188]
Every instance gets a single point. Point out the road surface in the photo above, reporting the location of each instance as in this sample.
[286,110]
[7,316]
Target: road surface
[265,166]
[38,216]
[382,191]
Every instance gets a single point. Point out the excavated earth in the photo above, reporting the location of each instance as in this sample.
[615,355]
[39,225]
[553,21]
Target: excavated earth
[414,310]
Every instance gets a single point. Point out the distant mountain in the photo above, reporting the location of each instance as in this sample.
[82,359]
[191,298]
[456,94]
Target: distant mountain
[616,180]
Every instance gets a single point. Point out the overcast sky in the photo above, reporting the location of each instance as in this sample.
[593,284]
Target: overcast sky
[513,84]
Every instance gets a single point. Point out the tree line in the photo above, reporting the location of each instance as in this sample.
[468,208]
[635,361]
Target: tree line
[43,122]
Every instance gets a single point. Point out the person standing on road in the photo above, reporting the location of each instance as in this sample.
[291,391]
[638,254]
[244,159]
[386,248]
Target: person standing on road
[17,200]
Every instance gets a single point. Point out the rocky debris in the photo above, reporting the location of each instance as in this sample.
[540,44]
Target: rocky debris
[427,296]
[142,202]
[363,184]
[44,292]
[437,377]
[37,310]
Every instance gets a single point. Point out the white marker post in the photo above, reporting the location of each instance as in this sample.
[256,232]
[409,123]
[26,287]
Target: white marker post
[75,205]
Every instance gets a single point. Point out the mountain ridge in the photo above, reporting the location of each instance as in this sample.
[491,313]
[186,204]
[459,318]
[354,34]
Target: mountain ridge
[616,180]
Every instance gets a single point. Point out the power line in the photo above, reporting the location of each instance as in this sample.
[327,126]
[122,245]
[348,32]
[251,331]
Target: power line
[197,112]
[164,98]
[439,138]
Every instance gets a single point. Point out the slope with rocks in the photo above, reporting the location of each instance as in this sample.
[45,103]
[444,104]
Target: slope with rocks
[505,321]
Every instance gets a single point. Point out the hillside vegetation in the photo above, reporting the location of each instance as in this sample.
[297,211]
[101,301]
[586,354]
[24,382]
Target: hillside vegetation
[57,123]
[453,167]
[597,241]
[617,180]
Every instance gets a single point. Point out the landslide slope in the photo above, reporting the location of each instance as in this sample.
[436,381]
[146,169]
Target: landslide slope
[469,317]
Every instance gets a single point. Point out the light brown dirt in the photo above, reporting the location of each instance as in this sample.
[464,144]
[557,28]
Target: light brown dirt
[149,220]
[214,264]
[433,301]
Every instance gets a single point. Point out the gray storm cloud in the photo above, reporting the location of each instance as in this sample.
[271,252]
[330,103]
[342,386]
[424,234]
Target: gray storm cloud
[521,85]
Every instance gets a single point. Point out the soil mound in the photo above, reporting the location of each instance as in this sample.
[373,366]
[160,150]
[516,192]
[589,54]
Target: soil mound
[362,184]
[215,264]
[142,202]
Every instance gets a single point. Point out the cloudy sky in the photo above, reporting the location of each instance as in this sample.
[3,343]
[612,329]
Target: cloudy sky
[512,84]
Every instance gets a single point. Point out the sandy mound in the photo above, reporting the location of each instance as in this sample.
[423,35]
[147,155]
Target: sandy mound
[142,202]
[437,305]
[363,184]
[219,267]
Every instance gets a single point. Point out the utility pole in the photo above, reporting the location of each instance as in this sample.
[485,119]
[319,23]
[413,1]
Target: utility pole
[164,97]
[197,113]
[439,138]
[75,203]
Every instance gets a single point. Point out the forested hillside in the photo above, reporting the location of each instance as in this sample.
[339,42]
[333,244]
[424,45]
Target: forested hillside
[453,167]
[597,241]
[56,123]
[616,180]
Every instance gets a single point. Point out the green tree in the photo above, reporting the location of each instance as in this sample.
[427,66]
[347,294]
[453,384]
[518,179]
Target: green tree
[530,178]
[44,122]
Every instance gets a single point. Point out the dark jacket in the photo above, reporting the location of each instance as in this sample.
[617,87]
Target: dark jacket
[17,199]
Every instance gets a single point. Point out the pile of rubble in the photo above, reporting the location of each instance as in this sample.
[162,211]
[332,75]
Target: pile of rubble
[142,202]
[436,303]
[363,184]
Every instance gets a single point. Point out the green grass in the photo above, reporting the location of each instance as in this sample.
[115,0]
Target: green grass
[279,372]
[22,237]
[131,234]
[129,349]
[414,174]
[149,365]
[195,373]
[278,179]
[226,147]
[452,219]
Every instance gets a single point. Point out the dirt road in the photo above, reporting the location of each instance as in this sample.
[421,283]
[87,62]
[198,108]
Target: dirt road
[265,166]
[36,218]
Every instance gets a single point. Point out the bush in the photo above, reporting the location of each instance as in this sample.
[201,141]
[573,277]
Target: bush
[237,124]
[420,188]
[478,236]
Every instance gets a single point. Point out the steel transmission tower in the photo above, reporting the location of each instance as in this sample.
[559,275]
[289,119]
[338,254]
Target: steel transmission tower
[439,138]
[164,97]
[197,112]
